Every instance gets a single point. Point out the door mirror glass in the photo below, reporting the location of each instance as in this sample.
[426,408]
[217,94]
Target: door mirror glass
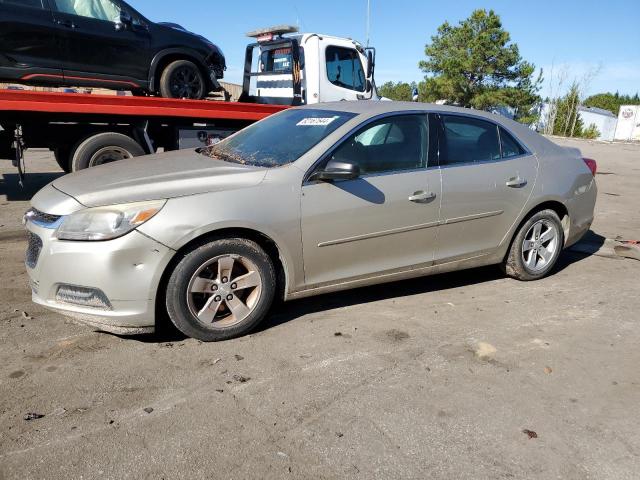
[370,62]
[337,170]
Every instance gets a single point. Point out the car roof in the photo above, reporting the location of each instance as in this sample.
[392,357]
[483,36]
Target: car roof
[372,108]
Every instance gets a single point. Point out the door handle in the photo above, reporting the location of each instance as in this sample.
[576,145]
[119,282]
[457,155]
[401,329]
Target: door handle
[516,182]
[422,196]
[66,23]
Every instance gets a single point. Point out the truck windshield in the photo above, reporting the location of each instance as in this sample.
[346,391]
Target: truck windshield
[279,139]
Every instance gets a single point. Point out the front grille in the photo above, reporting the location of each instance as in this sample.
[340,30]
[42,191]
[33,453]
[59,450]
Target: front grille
[42,219]
[34,247]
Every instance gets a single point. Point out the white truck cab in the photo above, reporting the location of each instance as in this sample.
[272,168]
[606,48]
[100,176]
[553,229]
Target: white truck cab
[289,68]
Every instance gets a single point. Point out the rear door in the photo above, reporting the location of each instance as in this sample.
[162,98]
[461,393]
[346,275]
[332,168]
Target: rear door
[384,220]
[30,43]
[487,177]
[96,49]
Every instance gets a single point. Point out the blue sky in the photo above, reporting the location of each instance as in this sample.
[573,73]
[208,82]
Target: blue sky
[575,37]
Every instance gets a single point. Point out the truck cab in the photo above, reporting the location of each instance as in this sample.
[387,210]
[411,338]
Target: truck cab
[285,67]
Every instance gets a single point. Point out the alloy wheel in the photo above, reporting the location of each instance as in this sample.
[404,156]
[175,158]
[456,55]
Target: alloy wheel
[185,83]
[540,245]
[224,291]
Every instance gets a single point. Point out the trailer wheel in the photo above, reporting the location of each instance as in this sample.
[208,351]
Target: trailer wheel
[104,148]
[182,79]
[63,158]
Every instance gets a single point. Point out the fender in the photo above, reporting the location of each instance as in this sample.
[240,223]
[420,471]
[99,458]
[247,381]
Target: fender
[186,53]
[286,257]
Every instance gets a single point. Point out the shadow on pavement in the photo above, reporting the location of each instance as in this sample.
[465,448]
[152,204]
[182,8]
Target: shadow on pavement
[286,312]
[33,182]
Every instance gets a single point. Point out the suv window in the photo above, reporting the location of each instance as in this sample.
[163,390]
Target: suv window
[510,148]
[24,3]
[468,140]
[391,144]
[344,68]
[97,9]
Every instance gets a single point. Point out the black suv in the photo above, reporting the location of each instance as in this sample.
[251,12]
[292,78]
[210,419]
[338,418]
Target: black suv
[103,43]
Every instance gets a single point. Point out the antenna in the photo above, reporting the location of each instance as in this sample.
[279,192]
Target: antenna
[368,20]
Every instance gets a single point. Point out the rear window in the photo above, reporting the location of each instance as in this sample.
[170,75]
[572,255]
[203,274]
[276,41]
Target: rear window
[468,140]
[510,148]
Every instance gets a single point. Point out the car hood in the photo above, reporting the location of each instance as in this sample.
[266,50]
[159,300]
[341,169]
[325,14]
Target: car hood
[154,177]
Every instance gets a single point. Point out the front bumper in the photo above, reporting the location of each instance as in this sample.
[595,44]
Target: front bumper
[127,270]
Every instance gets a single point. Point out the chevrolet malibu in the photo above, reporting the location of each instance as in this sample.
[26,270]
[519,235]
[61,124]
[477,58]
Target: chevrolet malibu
[308,201]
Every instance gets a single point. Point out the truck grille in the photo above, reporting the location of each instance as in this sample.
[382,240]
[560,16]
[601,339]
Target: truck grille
[33,249]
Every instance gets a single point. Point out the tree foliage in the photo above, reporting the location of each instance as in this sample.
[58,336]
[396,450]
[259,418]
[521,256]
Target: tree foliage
[611,101]
[400,91]
[475,64]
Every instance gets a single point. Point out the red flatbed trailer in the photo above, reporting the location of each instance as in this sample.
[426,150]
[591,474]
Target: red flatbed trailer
[77,127]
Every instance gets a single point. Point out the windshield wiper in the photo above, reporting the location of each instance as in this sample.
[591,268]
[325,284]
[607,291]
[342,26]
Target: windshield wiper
[227,156]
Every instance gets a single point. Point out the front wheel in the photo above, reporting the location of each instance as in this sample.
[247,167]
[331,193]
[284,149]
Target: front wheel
[221,290]
[536,247]
[182,79]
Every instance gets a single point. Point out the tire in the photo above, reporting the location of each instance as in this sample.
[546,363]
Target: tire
[201,285]
[182,79]
[63,158]
[104,148]
[536,258]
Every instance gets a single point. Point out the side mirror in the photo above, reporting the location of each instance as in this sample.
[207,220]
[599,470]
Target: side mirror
[336,170]
[123,21]
[371,61]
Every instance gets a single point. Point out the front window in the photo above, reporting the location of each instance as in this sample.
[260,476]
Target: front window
[344,68]
[279,139]
[393,144]
[96,9]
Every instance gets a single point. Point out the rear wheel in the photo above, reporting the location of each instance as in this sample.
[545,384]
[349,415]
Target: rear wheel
[182,79]
[104,148]
[536,247]
[63,158]
[221,290]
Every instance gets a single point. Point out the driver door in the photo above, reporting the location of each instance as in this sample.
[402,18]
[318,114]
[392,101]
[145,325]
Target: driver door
[344,77]
[96,50]
[382,221]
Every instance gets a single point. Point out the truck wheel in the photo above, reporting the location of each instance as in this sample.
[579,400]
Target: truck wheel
[63,158]
[104,148]
[182,79]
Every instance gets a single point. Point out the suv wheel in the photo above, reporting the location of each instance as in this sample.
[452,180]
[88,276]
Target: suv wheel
[182,79]
[221,289]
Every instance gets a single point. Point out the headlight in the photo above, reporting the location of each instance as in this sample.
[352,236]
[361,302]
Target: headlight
[106,223]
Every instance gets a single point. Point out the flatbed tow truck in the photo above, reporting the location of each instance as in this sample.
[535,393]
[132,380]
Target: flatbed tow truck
[283,68]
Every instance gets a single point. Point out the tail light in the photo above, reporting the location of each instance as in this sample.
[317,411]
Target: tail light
[592,164]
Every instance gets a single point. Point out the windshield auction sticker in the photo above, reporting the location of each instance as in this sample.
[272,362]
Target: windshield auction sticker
[316,121]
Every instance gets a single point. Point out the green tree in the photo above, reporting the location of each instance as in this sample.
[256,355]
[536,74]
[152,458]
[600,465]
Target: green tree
[400,91]
[611,101]
[567,119]
[475,64]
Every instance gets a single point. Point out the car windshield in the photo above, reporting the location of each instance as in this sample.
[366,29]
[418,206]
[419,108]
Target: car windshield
[279,139]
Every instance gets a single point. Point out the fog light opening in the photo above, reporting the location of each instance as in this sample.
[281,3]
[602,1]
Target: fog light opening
[83,296]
